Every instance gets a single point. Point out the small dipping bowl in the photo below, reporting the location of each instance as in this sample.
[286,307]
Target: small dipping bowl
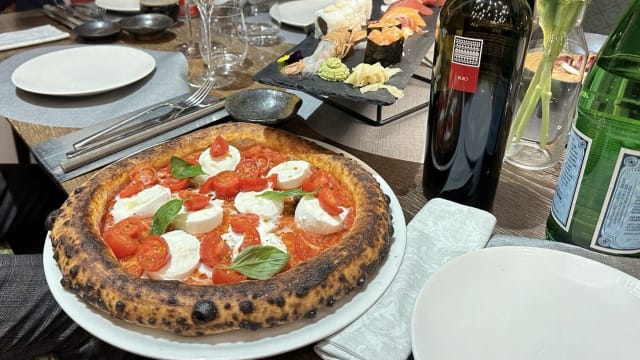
[264,106]
[97,29]
[146,24]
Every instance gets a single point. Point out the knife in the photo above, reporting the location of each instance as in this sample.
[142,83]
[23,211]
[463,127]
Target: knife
[61,17]
[79,158]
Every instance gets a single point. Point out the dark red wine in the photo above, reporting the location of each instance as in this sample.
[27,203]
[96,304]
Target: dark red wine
[478,58]
[167,7]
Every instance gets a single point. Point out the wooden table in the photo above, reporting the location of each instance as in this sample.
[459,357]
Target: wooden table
[522,202]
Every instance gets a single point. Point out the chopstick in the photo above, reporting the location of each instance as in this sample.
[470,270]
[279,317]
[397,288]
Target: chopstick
[85,156]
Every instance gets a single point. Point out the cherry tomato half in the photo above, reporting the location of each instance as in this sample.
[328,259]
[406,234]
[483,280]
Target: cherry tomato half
[224,276]
[214,251]
[219,147]
[175,184]
[144,174]
[196,202]
[251,237]
[153,253]
[317,180]
[240,223]
[329,201]
[121,244]
[131,189]
[226,184]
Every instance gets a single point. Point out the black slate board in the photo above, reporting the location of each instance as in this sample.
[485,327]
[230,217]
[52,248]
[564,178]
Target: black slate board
[415,48]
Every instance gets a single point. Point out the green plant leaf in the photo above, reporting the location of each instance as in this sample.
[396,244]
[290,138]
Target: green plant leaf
[163,217]
[181,169]
[279,195]
[259,262]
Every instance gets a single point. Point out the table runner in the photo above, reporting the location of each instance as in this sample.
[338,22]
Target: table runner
[167,81]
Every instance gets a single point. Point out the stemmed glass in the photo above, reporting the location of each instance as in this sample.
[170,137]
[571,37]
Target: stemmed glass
[223,43]
[190,48]
[205,8]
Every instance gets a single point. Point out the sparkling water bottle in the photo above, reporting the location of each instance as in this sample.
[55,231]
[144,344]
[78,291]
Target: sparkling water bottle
[597,200]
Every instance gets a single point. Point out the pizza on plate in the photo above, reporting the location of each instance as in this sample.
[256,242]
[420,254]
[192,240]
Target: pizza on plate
[233,226]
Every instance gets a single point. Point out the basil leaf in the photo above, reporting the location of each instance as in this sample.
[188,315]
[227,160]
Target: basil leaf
[164,215]
[279,195]
[181,169]
[259,262]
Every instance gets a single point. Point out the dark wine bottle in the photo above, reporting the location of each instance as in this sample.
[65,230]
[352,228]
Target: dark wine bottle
[167,7]
[478,58]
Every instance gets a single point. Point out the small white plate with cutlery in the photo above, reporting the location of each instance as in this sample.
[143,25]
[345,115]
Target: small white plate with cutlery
[85,70]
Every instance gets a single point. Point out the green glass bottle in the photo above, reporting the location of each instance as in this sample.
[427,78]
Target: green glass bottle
[597,200]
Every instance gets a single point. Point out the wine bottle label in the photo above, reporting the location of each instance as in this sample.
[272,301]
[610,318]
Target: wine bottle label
[618,228]
[570,178]
[465,63]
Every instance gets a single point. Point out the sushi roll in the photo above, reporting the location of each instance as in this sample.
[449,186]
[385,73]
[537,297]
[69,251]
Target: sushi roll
[350,14]
[385,41]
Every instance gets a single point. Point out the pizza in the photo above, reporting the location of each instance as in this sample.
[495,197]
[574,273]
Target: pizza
[235,226]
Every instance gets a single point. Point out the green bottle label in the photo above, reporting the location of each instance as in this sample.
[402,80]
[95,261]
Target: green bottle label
[618,227]
[570,178]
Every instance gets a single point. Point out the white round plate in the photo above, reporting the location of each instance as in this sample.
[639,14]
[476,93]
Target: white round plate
[300,13]
[85,70]
[241,344]
[119,5]
[526,303]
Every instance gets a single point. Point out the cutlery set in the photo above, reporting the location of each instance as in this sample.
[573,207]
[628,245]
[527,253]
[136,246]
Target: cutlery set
[120,136]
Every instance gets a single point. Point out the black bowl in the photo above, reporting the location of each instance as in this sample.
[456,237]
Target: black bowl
[146,24]
[97,29]
[265,106]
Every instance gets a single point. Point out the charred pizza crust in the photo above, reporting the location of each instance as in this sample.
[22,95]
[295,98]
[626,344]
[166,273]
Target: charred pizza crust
[90,269]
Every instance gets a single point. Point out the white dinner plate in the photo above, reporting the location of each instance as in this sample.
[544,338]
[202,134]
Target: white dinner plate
[84,70]
[526,303]
[119,5]
[240,344]
[300,13]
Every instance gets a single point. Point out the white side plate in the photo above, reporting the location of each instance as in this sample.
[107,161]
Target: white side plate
[526,303]
[85,70]
[300,13]
[119,5]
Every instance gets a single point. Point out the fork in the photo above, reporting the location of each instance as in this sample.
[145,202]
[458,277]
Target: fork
[194,100]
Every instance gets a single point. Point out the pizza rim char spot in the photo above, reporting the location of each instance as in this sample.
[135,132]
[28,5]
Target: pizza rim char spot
[91,271]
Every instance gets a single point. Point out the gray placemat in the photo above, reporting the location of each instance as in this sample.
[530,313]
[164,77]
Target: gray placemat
[630,266]
[168,80]
[50,154]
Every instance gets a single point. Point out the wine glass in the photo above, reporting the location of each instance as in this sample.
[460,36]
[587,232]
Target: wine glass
[190,48]
[205,8]
[227,46]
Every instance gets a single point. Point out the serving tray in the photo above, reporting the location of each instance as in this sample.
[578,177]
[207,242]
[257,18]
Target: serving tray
[415,48]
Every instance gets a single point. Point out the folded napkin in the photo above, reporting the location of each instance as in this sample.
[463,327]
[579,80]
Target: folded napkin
[36,35]
[441,231]
[630,266]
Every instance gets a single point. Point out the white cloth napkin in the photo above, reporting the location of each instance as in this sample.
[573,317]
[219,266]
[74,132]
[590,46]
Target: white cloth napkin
[36,35]
[441,231]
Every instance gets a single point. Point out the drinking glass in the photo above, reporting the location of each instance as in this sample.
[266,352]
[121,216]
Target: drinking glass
[226,47]
[190,48]
[263,21]
[205,8]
